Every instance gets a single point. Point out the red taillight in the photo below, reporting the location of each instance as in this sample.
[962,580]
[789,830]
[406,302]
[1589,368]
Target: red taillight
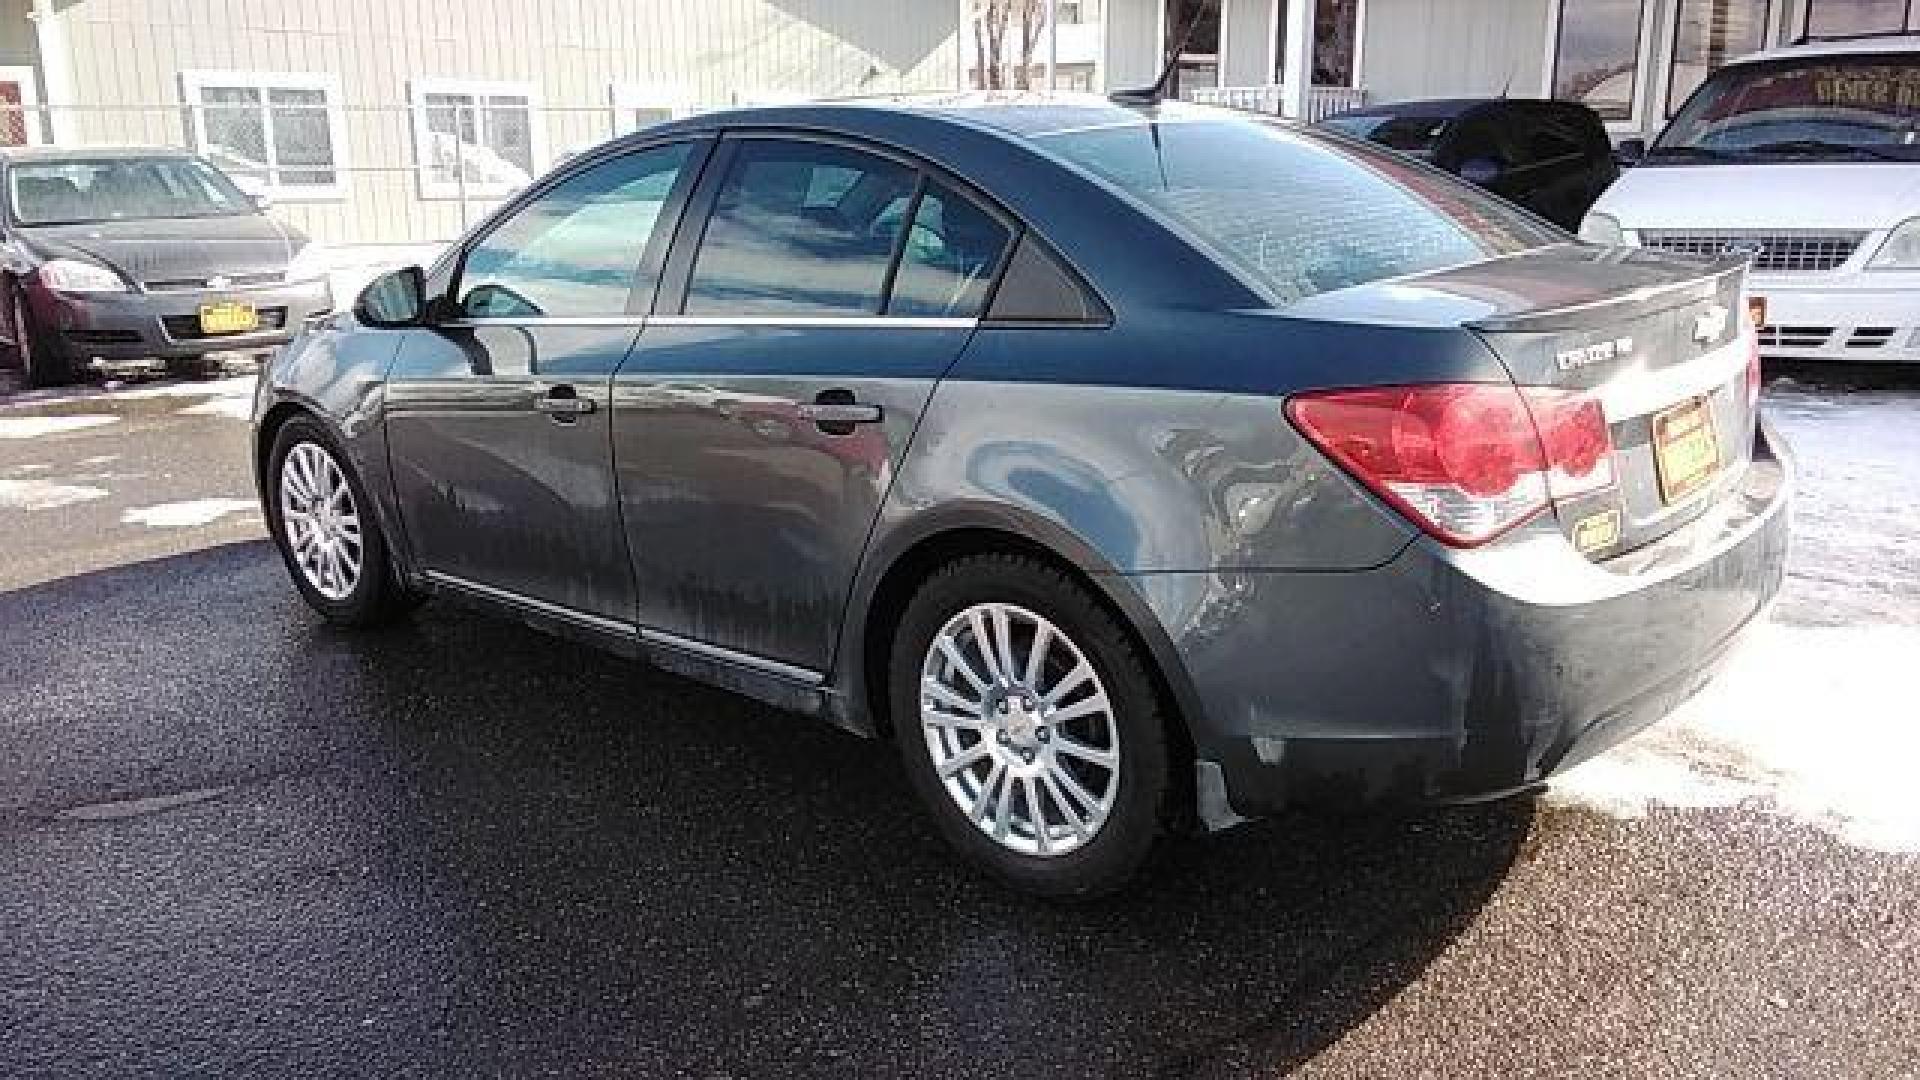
[1465,461]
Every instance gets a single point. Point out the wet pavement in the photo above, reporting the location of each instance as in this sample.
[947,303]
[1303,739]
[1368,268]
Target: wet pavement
[234,841]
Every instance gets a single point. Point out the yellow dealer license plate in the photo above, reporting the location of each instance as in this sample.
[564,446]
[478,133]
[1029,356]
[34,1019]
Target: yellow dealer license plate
[1686,453]
[228,319]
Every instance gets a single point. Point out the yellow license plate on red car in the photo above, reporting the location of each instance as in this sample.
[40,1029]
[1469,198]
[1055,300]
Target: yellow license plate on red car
[1686,452]
[228,319]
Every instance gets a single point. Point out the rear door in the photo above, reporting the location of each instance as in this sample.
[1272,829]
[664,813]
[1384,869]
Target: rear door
[817,291]
[498,415]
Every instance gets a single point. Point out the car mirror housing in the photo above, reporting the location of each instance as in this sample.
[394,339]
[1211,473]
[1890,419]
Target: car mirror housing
[255,190]
[1630,152]
[393,300]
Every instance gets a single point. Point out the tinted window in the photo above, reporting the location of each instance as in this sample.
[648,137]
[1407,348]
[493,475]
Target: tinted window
[949,257]
[1833,108]
[577,249]
[1295,213]
[1548,140]
[800,228]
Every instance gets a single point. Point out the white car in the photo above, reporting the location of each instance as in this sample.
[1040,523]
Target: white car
[1807,159]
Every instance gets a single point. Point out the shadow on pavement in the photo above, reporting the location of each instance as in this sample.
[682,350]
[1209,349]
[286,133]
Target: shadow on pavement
[461,846]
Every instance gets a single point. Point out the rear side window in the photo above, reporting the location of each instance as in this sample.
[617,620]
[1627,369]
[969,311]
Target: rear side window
[948,259]
[1416,135]
[800,228]
[575,250]
[1298,214]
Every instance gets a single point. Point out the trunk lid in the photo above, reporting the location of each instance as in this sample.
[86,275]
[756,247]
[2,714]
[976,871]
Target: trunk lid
[1664,343]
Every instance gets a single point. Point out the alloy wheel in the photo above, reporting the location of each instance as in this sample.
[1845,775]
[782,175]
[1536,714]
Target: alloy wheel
[1020,729]
[321,520]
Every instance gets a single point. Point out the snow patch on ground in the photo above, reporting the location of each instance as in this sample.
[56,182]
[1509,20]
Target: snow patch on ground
[236,386]
[188,514]
[232,408]
[1817,723]
[1816,716]
[33,427]
[45,494]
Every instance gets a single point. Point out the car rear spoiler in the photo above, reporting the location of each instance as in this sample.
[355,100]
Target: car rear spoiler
[1711,282]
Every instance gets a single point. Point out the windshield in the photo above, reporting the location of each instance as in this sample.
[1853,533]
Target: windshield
[1831,108]
[1296,213]
[1416,135]
[120,189]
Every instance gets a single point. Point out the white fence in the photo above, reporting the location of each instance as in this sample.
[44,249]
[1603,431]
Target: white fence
[1322,101]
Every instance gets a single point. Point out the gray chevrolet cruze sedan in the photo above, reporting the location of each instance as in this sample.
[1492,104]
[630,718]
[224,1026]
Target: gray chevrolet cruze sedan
[1129,467]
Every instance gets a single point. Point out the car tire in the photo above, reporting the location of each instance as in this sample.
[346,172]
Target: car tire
[953,750]
[328,531]
[43,360]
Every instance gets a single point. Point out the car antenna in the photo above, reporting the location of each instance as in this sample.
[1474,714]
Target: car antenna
[1157,92]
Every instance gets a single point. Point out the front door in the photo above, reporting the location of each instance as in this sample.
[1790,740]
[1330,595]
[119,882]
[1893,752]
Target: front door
[498,417]
[817,293]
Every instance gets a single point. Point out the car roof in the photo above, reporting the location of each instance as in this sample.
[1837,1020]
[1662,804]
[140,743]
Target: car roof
[89,153]
[1864,45]
[1021,116]
[1423,107]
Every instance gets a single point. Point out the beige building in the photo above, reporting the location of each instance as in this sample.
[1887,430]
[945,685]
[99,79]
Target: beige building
[374,121]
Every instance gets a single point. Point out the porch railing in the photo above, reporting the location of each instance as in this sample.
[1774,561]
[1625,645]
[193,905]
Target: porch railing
[1322,101]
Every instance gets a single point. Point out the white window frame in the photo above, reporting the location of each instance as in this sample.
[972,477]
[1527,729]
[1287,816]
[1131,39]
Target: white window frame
[626,98]
[418,90]
[193,82]
[31,120]
[1644,82]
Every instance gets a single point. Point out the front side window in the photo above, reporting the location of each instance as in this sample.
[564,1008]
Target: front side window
[120,189]
[1297,213]
[1597,55]
[1710,33]
[578,249]
[475,140]
[800,228]
[1835,108]
[283,130]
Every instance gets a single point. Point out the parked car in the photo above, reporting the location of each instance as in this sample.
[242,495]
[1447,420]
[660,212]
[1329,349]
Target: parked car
[1552,157]
[136,254]
[1206,464]
[1804,160]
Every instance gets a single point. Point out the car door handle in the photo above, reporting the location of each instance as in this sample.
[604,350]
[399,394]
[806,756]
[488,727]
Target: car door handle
[563,403]
[840,413]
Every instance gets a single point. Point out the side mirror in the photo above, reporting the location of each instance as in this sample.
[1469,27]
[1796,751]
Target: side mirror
[1630,152]
[255,189]
[394,300]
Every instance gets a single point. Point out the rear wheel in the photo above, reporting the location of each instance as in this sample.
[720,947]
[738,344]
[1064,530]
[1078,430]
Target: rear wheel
[327,532]
[1030,726]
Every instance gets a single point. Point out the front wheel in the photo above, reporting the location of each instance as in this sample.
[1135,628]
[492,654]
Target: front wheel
[325,527]
[43,361]
[1030,726]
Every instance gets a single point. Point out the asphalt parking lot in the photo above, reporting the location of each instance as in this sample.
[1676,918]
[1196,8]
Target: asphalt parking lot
[237,842]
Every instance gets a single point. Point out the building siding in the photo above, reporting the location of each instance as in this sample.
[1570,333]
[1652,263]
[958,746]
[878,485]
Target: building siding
[128,56]
[1454,48]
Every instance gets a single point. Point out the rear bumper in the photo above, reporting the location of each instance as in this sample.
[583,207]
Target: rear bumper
[1866,317]
[1449,676]
[130,326]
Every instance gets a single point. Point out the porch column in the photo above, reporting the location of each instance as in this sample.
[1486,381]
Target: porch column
[1297,66]
[56,71]
[1249,42]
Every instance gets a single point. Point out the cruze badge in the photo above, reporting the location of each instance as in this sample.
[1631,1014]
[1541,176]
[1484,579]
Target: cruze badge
[1572,359]
[1710,325]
